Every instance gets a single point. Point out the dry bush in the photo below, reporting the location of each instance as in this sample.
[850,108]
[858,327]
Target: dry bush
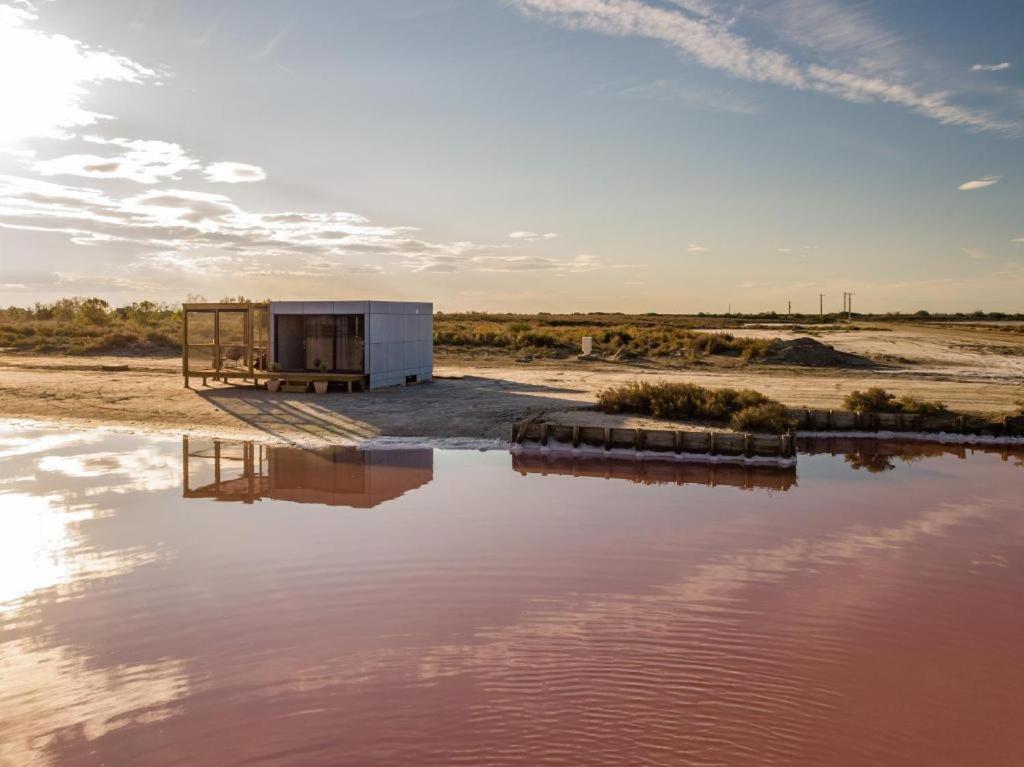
[768,417]
[878,400]
[683,401]
[91,326]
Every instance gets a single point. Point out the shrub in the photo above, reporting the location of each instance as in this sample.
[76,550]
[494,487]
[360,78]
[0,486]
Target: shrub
[909,404]
[878,400]
[679,400]
[874,400]
[768,417]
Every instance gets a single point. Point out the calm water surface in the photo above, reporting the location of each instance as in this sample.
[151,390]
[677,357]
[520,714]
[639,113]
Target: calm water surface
[165,603]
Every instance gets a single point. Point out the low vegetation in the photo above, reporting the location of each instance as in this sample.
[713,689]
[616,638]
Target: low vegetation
[743,409]
[92,326]
[617,336]
[878,400]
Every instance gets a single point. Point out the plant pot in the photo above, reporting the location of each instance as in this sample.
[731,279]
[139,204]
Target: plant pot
[273,384]
[320,387]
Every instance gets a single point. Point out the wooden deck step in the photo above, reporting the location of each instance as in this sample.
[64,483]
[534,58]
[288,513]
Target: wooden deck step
[295,386]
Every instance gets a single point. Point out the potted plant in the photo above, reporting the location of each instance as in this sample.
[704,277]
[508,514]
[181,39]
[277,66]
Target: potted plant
[320,387]
[274,384]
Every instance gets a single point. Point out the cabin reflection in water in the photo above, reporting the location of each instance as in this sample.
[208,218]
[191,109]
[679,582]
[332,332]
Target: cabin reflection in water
[658,472]
[331,476]
[881,455]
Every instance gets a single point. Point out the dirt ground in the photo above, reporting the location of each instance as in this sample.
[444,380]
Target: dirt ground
[972,370]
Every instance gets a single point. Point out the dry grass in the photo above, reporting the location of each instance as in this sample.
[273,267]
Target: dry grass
[91,326]
[743,409]
[651,336]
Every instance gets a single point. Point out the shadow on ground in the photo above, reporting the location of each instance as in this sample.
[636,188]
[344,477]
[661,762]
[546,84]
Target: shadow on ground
[471,406]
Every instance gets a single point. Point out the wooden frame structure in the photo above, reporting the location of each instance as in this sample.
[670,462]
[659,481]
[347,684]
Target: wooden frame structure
[234,343]
[239,355]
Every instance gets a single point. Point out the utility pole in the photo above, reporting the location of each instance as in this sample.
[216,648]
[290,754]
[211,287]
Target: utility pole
[789,308]
[849,308]
[821,304]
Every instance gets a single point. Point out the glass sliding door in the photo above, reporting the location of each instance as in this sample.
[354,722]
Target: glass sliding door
[290,341]
[301,341]
[349,343]
[319,340]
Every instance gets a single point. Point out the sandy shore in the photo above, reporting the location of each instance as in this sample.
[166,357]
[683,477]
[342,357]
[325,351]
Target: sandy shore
[480,399]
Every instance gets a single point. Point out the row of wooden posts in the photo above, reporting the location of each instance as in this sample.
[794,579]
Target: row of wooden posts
[657,440]
[950,423]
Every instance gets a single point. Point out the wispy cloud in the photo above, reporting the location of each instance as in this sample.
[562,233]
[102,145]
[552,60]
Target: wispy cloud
[46,77]
[710,41]
[142,161]
[976,254]
[707,99]
[980,183]
[991,67]
[532,236]
[188,231]
[272,44]
[233,172]
[694,247]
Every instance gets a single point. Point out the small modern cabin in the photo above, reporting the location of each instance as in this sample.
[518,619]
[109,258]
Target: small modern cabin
[370,343]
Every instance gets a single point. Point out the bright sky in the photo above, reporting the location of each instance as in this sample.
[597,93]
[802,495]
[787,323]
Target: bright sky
[551,155]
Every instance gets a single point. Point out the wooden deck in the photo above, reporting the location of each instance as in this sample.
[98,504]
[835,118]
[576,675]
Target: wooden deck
[261,376]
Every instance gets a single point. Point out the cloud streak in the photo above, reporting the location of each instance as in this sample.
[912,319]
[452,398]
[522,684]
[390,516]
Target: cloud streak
[233,173]
[710,41]
[187,231]
[991,67]
[145,162]
[980,183]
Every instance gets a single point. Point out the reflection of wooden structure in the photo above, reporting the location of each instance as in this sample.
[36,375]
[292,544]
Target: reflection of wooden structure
[864,452]
[658,472]
[332,476]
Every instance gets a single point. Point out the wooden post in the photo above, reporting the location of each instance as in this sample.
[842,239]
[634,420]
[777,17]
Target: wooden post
[184,344]
[639,439]
[712,447]
[544,429]
[607,439]
[677,442]
[575,436]
[216,339]
[248,341]
[748,446]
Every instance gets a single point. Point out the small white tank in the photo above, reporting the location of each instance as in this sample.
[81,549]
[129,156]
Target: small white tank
[588,345]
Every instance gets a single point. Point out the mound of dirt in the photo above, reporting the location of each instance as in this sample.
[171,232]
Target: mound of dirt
[807,352]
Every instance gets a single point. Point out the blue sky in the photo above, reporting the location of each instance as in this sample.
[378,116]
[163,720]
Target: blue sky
[634,155]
